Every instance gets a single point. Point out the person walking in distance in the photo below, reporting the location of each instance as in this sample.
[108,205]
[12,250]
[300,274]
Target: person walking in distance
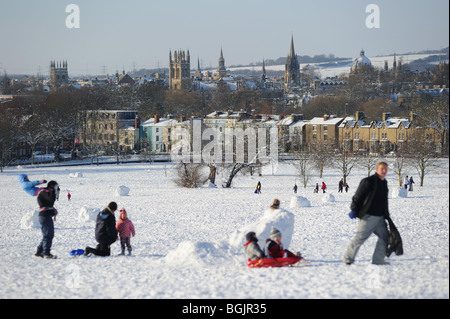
[370,205]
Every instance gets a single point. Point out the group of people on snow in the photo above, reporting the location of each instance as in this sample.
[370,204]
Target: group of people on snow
[107,230]
[408,183]
[369,204]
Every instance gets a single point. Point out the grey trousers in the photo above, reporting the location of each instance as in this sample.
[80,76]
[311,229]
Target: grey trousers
[367,226]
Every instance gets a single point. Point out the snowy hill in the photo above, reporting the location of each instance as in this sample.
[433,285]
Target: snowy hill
[182,244]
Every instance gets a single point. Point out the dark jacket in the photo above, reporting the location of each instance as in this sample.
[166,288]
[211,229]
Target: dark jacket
[395,243]
[46,199]
[371,197]
[105,228]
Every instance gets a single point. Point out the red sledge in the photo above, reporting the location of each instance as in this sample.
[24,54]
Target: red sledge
[273,262]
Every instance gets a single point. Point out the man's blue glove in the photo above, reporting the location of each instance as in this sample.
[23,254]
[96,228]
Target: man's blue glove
[353,214]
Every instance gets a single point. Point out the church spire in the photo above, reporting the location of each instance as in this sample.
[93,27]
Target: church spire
[292,51]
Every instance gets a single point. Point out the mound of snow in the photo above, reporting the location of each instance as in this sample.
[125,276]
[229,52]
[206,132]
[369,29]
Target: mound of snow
[281,219]
[328,198]
[30,220]
[122,191]
[299,201]
[200,254]
[76,175]
[87,214]
[399,192]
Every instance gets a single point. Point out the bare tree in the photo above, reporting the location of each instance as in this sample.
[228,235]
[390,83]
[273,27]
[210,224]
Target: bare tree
[369,163]
[345,162]
[400,162]
[31,132]
[190,175]
[303,165]
[321,155]
[423,154]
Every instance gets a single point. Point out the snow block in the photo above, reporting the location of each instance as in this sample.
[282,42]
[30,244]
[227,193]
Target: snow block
[299,201]
[87,214]
[399,192]
[76,175]
[30,220]
[281,219]
[200,254]
[122,191]
[328,198]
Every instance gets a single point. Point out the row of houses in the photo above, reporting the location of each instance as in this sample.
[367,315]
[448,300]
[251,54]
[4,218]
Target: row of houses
[109,131]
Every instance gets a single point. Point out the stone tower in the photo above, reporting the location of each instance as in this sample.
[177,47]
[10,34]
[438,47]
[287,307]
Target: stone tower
[292,68]
[180,71]
[221,70]
[59,74]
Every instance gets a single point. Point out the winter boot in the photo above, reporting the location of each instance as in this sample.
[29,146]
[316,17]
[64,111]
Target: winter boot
[39,252]
[49,256]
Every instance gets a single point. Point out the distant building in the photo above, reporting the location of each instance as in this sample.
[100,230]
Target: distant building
[180,71]
[292,68]
[59,74]
[109,131]
[360,63]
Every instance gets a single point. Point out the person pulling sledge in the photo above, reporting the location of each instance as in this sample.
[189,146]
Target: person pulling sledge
[30,187]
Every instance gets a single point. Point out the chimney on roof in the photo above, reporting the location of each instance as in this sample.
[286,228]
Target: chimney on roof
[137,121]
[182,118]
[359,115]
[412,117]
[156,118]
[386,116]
[325,117]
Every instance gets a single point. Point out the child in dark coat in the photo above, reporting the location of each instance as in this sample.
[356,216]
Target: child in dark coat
[251,248]
[274,246]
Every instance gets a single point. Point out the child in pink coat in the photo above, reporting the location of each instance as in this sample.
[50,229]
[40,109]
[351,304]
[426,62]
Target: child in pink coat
[125,229]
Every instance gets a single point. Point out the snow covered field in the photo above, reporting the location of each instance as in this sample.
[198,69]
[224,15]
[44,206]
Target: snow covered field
[182,247]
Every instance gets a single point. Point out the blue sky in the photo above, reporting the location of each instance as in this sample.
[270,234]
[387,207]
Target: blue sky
[122,34]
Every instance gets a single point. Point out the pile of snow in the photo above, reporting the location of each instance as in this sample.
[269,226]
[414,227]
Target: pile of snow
[76,175]
[328,198]
[399,192]
[87,214]
[197,254]
[281,219]
[122,191]
[30,220]
[299,201]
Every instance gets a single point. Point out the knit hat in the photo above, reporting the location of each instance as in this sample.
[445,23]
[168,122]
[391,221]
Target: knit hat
[274,233]
[276,204]
[251,236]
[112,206]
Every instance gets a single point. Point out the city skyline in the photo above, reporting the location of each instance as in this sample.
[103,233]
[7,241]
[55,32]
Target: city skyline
[115,36]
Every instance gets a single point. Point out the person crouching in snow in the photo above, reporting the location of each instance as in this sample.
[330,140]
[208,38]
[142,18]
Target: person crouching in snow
[251,248]
[125,228]
[274,246]
[31,187]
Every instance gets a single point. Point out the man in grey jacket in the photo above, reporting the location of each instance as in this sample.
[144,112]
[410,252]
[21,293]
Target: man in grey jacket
[370,205]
